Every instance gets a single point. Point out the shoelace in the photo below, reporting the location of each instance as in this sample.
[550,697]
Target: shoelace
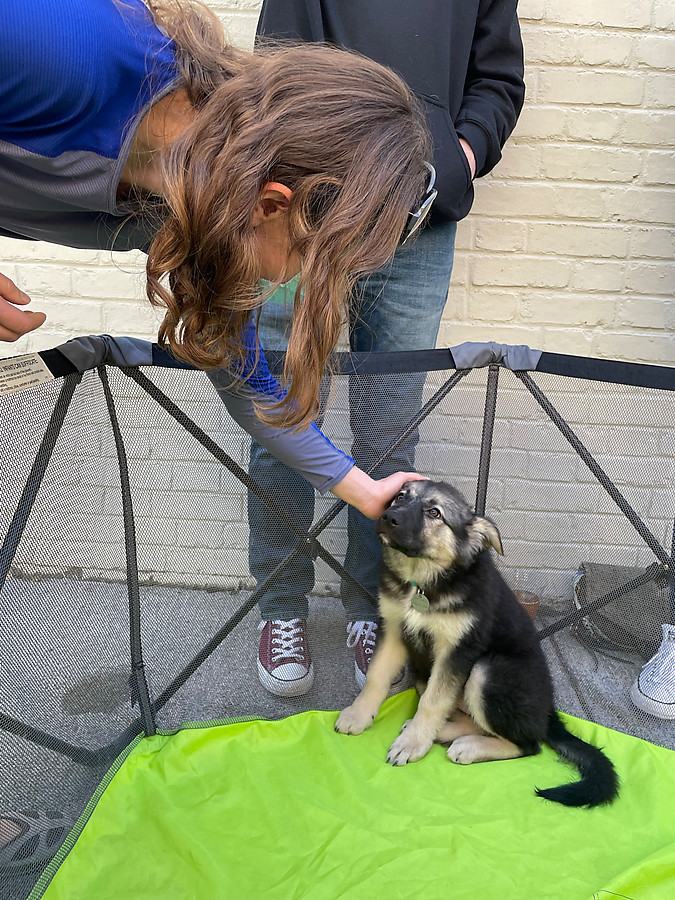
[365,631]
[288,640]
[662,664]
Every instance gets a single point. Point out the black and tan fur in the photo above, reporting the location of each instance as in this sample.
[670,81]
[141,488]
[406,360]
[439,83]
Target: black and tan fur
[475,645]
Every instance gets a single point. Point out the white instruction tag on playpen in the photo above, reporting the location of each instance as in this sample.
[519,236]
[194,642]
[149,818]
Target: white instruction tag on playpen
[22,372]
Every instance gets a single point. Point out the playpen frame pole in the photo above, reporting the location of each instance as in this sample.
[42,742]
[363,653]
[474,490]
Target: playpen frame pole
[37,473]
[82,755]
[652,573]
[671,576]
[139,684]
[599,473]
[486,439]
[308,538]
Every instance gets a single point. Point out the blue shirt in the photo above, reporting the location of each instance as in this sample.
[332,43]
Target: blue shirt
[76,79]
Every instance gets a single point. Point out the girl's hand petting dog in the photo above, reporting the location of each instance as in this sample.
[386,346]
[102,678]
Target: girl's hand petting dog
[369,496]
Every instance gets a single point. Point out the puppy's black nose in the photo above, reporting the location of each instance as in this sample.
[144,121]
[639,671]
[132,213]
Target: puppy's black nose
[389,518]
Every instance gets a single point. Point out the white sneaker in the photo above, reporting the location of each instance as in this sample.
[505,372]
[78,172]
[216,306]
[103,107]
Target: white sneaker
[654,689]
[284,665]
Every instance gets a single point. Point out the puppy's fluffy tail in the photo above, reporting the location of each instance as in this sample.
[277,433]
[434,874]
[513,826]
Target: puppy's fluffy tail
[599,782]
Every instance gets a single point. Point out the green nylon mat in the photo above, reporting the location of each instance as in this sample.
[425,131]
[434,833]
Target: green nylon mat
[290,810]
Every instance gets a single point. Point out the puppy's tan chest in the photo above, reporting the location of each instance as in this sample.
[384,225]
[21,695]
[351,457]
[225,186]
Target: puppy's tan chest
[444,630]
[440,630]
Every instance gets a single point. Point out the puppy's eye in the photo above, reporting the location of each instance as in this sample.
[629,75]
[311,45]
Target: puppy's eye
[400,495]
[434,513]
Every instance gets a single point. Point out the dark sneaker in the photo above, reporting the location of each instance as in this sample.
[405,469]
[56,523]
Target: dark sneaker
[361,639]
[284,664]
[30,838]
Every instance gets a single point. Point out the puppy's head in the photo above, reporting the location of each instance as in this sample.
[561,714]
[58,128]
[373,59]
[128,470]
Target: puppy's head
[431,520]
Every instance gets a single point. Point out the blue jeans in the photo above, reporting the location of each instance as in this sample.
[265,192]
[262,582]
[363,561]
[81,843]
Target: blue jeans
[398,308]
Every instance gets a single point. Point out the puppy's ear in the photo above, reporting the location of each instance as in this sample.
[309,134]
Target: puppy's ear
[483,534]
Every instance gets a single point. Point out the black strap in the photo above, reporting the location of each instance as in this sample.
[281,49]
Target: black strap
[365,363]
[633,374]
[57,363]
[162,357]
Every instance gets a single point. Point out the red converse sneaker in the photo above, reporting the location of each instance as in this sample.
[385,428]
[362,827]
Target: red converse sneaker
[361,639]
[284,664]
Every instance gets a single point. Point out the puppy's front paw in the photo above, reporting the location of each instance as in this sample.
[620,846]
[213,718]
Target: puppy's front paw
[408,747]
[353,720]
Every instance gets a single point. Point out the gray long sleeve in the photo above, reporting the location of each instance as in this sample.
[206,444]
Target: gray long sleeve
[308,451]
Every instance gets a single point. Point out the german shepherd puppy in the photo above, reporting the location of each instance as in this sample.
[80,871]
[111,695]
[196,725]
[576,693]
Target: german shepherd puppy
[446,609]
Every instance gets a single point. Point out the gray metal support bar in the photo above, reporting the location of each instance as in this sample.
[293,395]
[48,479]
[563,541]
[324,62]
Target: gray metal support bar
[596,469]
[486,440]
[140,691]
[37,473]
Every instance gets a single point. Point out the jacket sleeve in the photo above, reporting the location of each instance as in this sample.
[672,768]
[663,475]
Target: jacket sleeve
[290,20]
[494,89]
[308,451]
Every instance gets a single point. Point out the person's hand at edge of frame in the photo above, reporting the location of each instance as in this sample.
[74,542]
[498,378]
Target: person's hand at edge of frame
[14,323]
[370,496]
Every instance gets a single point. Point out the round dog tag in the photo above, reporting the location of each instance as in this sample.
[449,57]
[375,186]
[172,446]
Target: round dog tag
[420,602]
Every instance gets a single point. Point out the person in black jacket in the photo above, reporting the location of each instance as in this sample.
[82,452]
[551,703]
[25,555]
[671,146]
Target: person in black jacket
[464,61]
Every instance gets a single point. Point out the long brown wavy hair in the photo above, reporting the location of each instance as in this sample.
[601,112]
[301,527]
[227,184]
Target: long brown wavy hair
[342,132]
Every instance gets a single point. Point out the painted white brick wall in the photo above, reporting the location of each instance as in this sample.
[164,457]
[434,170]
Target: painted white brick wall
[569,248]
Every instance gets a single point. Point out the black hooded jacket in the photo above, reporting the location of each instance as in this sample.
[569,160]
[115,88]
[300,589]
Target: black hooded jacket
[463,58]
